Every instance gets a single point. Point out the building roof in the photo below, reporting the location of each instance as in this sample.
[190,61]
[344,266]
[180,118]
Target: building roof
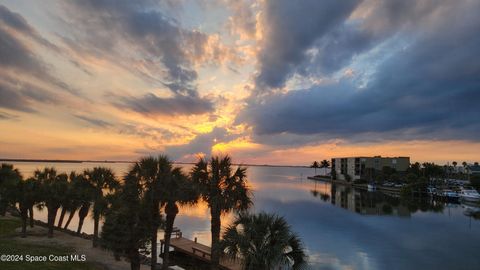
[474,168]
[369,157]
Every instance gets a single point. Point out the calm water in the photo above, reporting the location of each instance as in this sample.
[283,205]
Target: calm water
[342,228]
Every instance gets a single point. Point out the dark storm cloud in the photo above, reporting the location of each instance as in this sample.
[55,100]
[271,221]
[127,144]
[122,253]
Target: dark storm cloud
[291,29]
[337,48]
[317,38]
[149,42]
[150,104]
[426,90]
[342,43]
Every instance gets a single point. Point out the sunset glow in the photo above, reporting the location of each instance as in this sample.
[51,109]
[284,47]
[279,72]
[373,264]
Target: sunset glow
[116,80]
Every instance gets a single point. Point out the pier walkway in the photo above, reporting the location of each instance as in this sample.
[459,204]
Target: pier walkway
[199,251]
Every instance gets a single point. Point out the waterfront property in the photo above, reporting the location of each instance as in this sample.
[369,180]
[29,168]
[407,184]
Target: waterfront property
[353,168]
[474,169]
[342,226]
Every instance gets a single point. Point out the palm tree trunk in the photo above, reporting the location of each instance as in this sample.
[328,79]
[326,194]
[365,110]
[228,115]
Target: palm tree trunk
[96,220]
[62,216]
[80,225]
[52,213]
[3,207]
[72,214]
[215,229]
[153,237]
[30,214]
[24,214]
[154,240]
[134,257]
[82,213]
[171,210]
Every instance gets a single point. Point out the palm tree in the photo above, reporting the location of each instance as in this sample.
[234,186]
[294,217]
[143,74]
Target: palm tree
[78,193]
[324,164]
[177,189]
[53,189]
[82,214]
[224,192]
[150,172]
[101,179]
[263,241]
[27,196]
[85,191]
[9,178]
[127,225]
[68,204]
[466,169]
[315,165]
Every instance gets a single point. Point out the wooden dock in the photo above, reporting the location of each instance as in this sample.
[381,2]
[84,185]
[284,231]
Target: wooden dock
[200,251]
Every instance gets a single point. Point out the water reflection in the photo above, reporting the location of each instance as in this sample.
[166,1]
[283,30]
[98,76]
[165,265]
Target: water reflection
[345,228]
[373,203]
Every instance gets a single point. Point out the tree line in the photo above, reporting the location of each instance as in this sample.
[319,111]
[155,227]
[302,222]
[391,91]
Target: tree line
[146,199]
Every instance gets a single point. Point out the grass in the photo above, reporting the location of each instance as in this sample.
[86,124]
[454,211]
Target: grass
[8,226]
[9,245]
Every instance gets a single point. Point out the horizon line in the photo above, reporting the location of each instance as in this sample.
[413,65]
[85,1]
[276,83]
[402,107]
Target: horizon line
[129,161]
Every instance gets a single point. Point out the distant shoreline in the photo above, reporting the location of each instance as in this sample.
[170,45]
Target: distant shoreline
[125,161]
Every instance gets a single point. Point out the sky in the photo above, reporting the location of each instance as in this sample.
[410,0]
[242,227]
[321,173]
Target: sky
[266,81]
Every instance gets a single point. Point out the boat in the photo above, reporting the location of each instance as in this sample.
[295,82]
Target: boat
[469,195]
[450,194]
[371,187]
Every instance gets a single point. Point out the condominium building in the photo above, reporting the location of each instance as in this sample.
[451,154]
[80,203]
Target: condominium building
[353,168]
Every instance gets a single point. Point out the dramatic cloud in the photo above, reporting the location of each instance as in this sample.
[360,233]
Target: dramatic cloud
[371,23]
[262,79]
[290,30]
[242,21]
[201,145]
[17,22]
[139,36]
[150,104]
[426,89]
[17,56]
[19,96]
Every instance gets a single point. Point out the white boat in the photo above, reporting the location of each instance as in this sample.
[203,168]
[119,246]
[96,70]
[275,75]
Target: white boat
[450,194]
[371,187]
[469,195]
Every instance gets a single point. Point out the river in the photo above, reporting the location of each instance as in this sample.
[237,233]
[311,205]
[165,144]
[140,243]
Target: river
[342,228]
